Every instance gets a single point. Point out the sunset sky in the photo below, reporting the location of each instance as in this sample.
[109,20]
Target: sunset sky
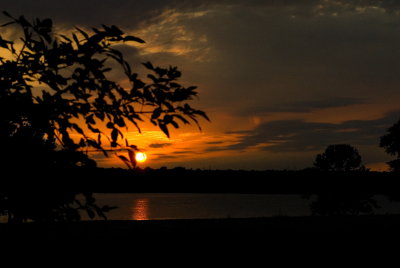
[280,80]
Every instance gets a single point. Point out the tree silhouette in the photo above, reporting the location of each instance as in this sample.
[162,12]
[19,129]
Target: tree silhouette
[391,143]
[341,201]
[338,157]
[57,97]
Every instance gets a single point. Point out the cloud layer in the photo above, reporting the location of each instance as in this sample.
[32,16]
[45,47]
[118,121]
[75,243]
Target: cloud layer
[298,135]
[279,76]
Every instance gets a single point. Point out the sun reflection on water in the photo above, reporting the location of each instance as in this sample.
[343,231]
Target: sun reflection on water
[141,210]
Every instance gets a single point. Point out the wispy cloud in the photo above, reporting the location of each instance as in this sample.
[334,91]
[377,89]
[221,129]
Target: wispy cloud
[299,135]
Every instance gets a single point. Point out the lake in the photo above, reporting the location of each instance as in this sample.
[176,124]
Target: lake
[158,206]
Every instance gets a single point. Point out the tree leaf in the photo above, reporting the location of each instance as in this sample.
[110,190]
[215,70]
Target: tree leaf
[132,157]
[174,124]
[203,114]
[148,65]
[93,129]
[134,147]
[156,113]
[114,135]
[180,117]
[133,38]
[7,14]
[7,23]
[4,43]
[82,33]
[77,128]
[125,160]
[47,23]
[90,213]
[164,129]
[90,120]
[77,42]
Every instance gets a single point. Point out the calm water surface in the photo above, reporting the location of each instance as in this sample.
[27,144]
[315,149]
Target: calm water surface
[156,206]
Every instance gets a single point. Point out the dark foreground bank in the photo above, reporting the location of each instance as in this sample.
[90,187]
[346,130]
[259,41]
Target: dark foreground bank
[385,224]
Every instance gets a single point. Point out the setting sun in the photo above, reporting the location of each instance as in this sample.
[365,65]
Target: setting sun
[140,157]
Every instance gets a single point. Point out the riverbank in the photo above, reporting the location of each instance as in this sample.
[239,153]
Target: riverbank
[367,225]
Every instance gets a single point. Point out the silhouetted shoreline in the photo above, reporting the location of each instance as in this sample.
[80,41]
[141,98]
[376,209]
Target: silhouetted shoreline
[309,181]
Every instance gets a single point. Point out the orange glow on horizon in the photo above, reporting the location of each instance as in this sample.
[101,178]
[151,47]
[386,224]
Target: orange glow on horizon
[212,147]
[379,166]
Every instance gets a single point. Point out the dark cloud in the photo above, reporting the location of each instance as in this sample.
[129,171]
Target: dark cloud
[277,61]
[300,136]
[214,142]
[389,6]
[88,12]
[166,157]
[132,13]
[301,106]
[126,13]
[184,152]
[174,155]
[159,145]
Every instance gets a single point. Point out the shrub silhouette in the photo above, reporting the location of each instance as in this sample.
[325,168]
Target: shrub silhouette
[338,157]
[55,92]
[340,199]
[391,143]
